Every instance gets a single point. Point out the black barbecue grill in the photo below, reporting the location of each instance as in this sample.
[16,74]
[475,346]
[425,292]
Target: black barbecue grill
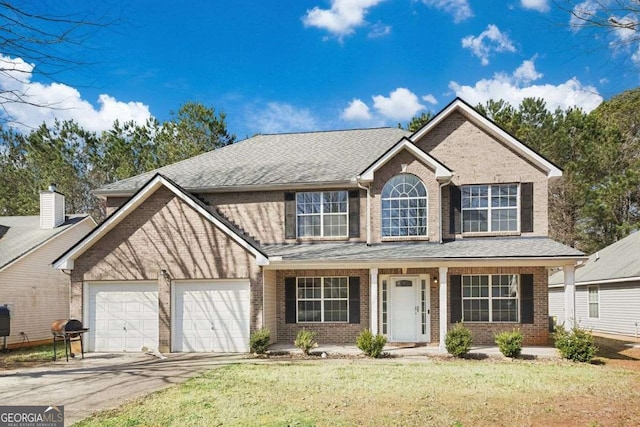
[67,331]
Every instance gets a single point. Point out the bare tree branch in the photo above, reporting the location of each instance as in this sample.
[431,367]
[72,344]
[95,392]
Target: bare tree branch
[37,42]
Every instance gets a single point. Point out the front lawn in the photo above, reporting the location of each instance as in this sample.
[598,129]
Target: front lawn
[391,392]
[29,356]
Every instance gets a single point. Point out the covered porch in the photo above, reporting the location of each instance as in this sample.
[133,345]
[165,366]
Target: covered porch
[415,292]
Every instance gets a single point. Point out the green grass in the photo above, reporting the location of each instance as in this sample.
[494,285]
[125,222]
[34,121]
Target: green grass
[30,355]
[380,393]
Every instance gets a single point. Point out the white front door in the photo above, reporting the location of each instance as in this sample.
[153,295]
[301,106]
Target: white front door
[404,309]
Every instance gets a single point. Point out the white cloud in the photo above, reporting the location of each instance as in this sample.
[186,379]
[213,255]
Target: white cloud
[379,30]
[460,9]
[402,104]
[356,111]
[636,56]
[539,5]
[511,89]
[430,99]
[583,12]
[624,29]
[343,17]
[526,72]
[490,40]
[32,103]
[280,117]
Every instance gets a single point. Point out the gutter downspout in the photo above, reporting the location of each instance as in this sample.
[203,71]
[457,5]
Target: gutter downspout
[441,186]
[368,189]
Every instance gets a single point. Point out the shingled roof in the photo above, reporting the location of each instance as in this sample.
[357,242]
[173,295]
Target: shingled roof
[618,261]
[332,157]
[19,235]
[475,248]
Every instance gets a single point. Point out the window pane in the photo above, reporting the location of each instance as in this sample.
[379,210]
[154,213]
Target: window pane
[335,287]
[309,225]
[504,220]
[505,310]
[498,202]
[335,311]
[475,221]
[309,311]
[504,195]
[335,225]
[404,207]
[335,201]
[475,310]
[594,306]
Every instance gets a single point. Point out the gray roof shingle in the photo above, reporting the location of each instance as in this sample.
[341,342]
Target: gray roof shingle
[285,159]
[617,261]
[20,234]
[473,248]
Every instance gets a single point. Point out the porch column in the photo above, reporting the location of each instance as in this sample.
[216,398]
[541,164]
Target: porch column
[442,280]
[373,300]
[569,296]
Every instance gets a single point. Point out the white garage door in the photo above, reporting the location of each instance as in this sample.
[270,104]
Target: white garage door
[123,317]
[211,316]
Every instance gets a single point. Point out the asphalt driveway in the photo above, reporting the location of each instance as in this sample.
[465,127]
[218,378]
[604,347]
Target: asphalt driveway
[102,381]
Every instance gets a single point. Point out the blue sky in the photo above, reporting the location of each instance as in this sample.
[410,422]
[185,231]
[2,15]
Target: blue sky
[325,64]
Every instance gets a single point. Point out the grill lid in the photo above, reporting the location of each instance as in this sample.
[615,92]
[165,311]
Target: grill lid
[63,326]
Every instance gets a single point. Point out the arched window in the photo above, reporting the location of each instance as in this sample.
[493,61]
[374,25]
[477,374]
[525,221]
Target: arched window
[404,207]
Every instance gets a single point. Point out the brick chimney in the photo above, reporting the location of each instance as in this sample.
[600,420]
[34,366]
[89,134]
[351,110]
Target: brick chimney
[51,208]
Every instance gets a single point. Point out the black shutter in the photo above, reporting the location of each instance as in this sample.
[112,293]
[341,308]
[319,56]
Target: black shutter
[354,299]
[526,298]
[289,215]
[290,300]
[455,293]
[454,209]
[526,207]
[354,213]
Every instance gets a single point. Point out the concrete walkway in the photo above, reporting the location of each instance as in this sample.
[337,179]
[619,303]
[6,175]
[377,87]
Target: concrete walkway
[413,352]
[103,381]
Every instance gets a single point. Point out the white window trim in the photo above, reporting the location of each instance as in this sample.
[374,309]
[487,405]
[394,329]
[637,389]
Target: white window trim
[322,299]
[597,288]
[426,199]
[322,215]
[489,209]
[490,298]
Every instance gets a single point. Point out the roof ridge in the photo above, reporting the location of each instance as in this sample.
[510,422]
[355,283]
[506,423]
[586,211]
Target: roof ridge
[328,131]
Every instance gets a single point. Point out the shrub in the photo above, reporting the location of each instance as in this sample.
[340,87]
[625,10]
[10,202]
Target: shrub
[510,343]
[259,341]
[576,345]
[371,345]
[458,340]
[305,340]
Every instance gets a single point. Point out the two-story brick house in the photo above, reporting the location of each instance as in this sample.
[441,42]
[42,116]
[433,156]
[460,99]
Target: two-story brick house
[336,232]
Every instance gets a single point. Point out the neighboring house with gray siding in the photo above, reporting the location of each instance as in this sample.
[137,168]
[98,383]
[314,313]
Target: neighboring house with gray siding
[402,233]
[607,290]
[36,293]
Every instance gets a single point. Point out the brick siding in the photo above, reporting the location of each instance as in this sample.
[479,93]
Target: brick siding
[164,233]
[536,333]
[339,333]
[477,157]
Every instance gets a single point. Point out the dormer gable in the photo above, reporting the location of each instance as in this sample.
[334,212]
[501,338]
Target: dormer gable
[490,128]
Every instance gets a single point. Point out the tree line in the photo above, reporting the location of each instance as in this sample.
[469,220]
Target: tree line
[595,203]
[80,161]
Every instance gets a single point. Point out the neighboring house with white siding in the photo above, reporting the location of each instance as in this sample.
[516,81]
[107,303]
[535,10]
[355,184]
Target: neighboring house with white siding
[607,290]
[36,293]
